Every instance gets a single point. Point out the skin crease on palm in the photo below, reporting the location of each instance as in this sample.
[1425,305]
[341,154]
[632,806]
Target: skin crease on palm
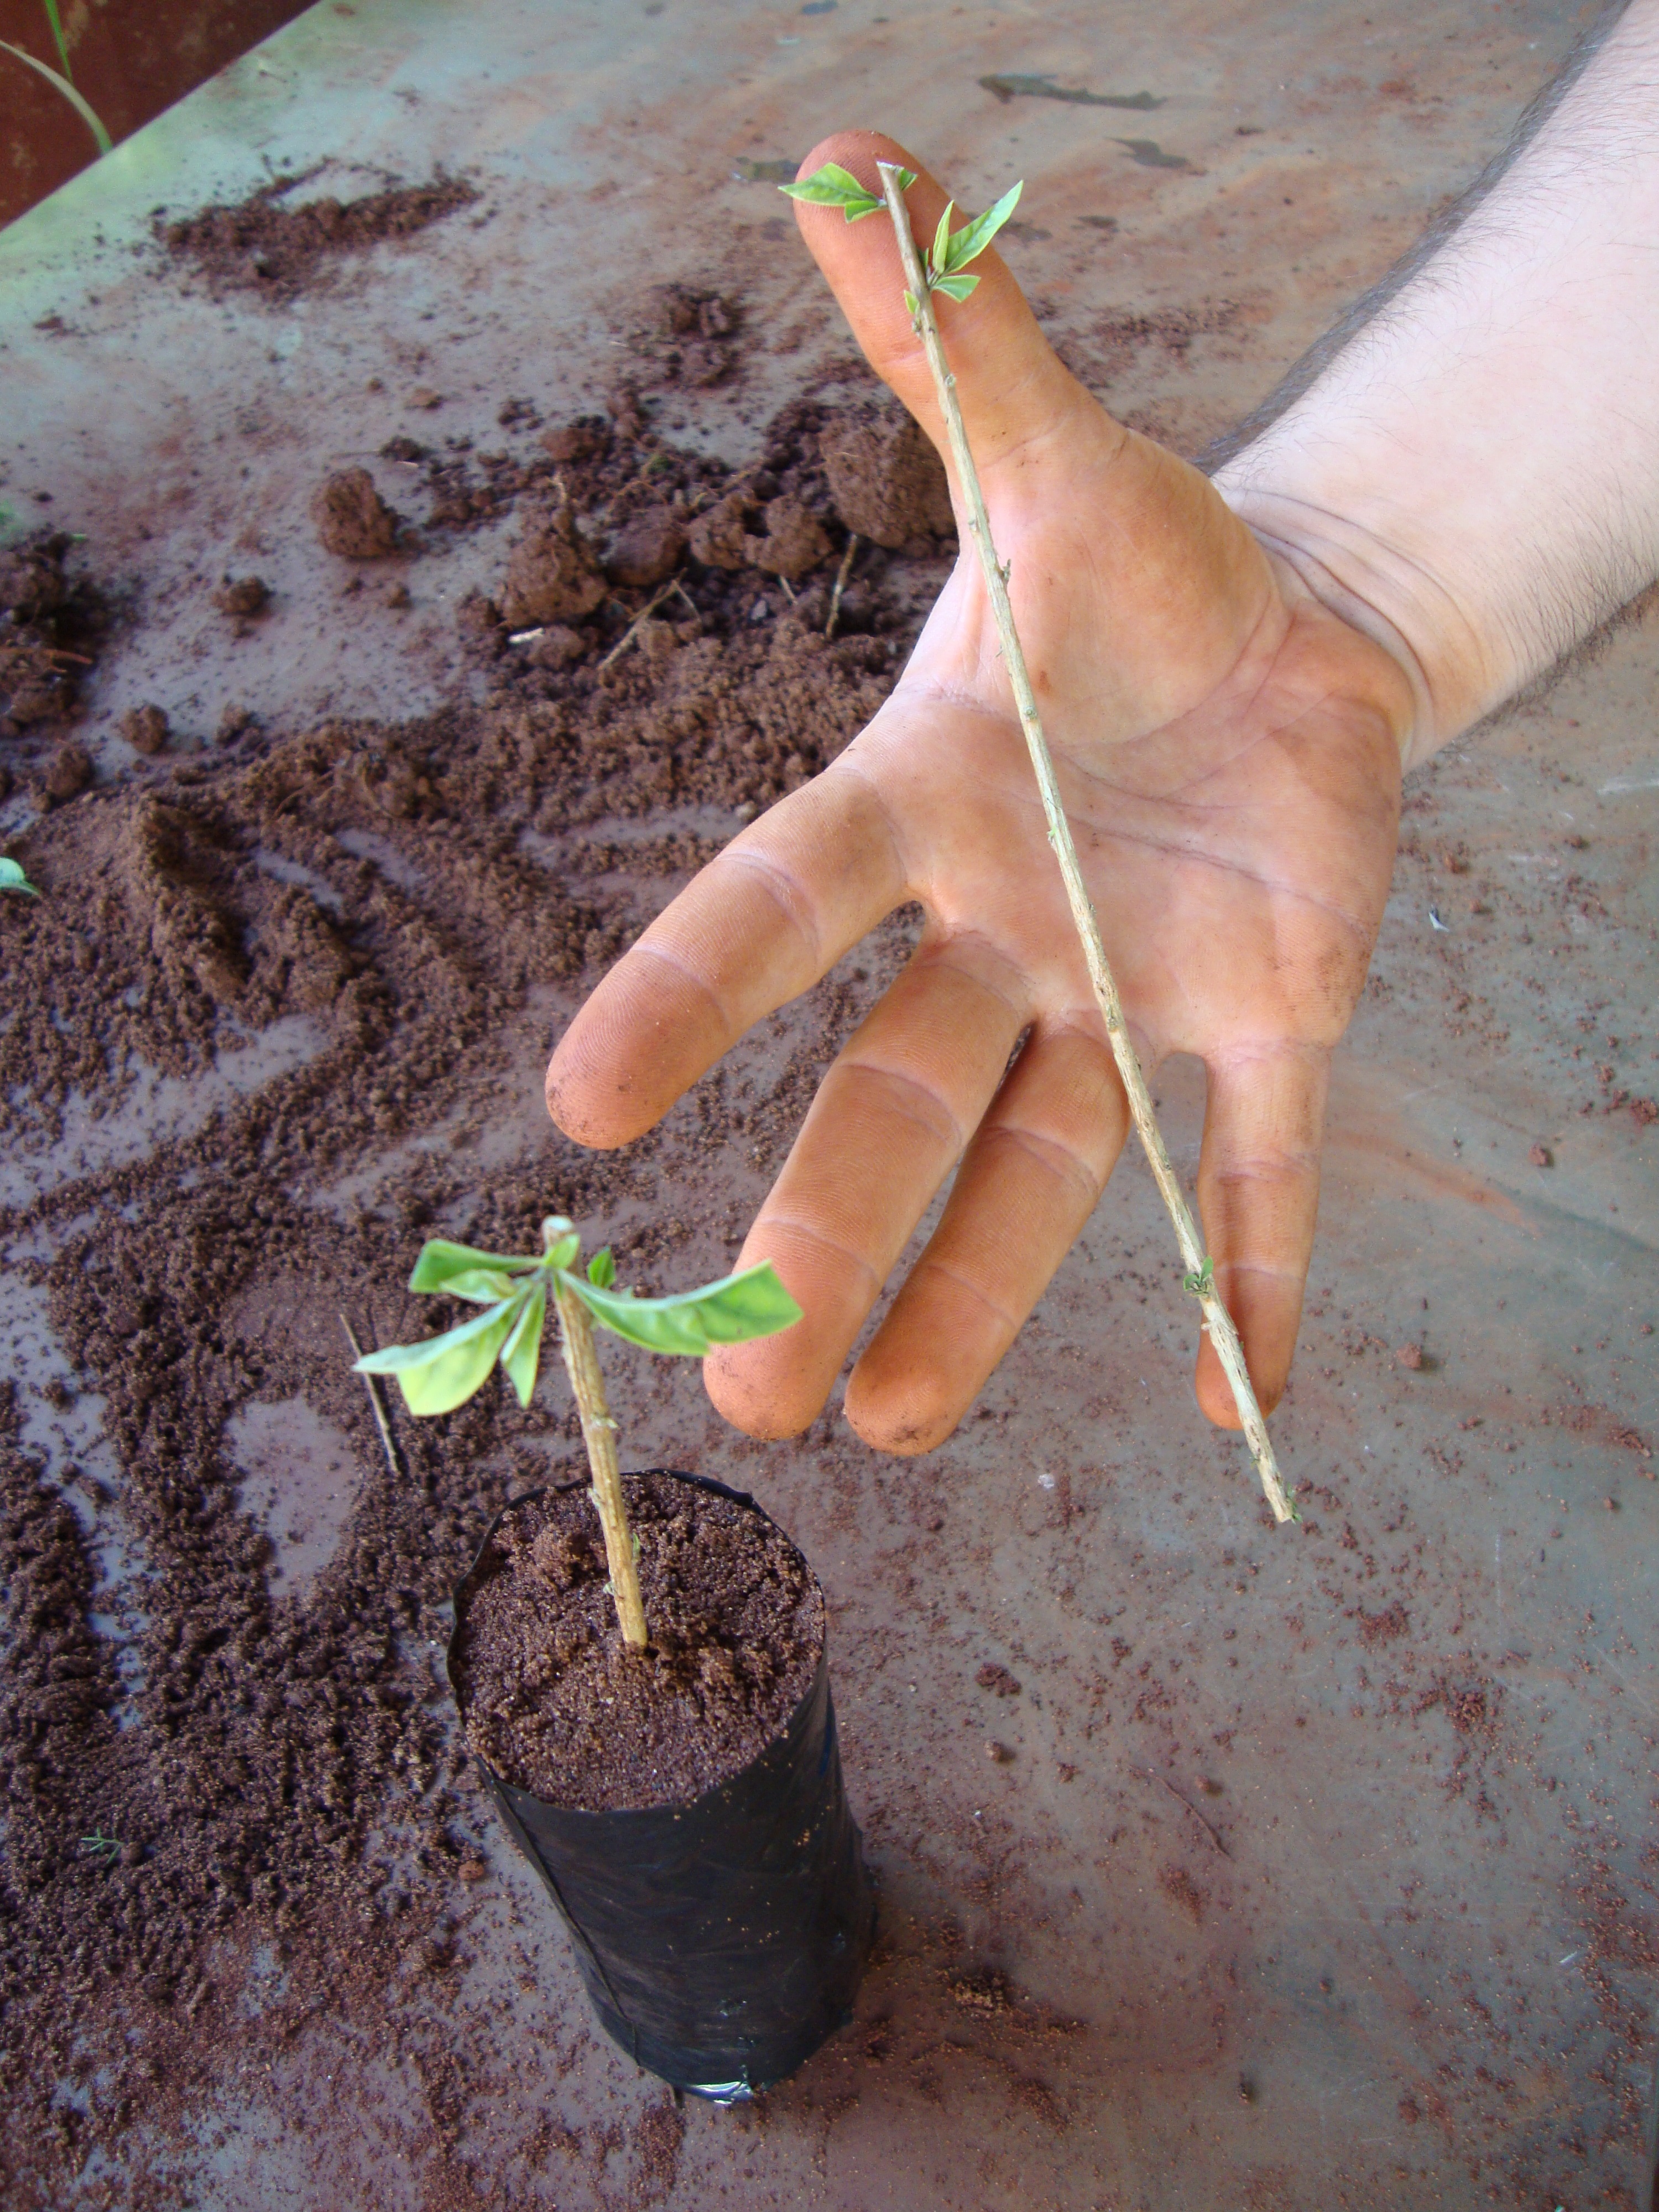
[1228,752]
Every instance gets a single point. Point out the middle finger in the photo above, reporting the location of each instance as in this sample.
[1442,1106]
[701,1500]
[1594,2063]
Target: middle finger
[891,1120]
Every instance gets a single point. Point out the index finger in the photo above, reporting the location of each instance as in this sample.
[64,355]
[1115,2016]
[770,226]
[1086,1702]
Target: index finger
[760,924]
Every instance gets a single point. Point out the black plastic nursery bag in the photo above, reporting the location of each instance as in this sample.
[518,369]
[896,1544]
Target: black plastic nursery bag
[721,1942]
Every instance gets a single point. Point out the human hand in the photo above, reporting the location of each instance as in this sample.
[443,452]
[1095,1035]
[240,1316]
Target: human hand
[1229,753]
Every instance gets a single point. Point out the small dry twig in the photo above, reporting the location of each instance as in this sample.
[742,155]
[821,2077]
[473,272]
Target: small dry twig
[1188,1807]
[632,631]
[378,1403]
[842,575]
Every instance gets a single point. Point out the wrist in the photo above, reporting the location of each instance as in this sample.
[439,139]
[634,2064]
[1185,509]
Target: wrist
[1362,572]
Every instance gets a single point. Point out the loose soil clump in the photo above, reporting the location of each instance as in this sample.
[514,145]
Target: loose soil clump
[886,481]
[352,520]
[261,246]
[558,1705]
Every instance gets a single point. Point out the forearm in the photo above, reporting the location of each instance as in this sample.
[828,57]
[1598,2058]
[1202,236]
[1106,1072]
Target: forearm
[1474,478]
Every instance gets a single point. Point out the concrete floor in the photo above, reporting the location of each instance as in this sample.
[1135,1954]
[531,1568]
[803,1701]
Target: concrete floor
[1296,1898]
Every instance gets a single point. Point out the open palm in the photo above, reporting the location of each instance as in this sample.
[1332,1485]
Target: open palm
[1229,754]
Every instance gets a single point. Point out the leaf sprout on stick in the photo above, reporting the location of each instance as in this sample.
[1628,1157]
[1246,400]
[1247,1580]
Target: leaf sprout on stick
[944,269]
[515,1291]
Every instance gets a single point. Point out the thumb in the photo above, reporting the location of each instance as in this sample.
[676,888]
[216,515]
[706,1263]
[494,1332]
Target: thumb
[1009,379]
[1148,584]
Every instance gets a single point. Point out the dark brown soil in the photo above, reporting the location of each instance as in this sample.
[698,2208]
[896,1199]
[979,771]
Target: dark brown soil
[263,245]
[221,1768]
[53,620]
[556,1704]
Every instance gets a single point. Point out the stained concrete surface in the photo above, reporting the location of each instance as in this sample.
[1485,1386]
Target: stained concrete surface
[1322,1871]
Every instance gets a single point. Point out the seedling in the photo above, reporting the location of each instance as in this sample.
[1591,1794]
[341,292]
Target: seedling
[103,1847]
[445,1371]
[12,879]
[61,81]
[945,272]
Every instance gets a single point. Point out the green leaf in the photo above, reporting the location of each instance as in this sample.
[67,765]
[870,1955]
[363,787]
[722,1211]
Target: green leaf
[484,1286]
[602,1269]
[522,1350]
[446,1370]
[12,879]
[914,305]
[440,1262]
[834,186]
[906,179]
[56,23]
[970,242]
[938,254]
[753,1303]
[1203,1282]
[955,287]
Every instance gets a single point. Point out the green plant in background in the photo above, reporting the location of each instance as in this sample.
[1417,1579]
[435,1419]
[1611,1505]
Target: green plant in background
[12,879]
[59,39]
[944,269]
[63,82]
[515,1291]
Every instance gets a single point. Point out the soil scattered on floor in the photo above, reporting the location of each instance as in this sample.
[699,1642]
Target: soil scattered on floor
[53,621]
[262,245]
[355,912]
[556,1704]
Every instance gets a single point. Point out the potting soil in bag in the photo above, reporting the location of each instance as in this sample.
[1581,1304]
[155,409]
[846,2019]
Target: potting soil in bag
[721,1937]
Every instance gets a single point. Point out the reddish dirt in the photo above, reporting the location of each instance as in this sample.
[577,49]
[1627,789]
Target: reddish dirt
[263,245]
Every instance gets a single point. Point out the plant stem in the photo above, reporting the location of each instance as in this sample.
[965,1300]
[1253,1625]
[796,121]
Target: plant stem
[581,1364]
[1222,1334]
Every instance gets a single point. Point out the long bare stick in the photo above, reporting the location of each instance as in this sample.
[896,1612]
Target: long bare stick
[581,1364]
[1218,1320]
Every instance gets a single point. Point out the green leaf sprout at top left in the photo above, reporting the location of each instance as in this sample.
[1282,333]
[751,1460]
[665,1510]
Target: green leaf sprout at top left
[834,186]
[946,261]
